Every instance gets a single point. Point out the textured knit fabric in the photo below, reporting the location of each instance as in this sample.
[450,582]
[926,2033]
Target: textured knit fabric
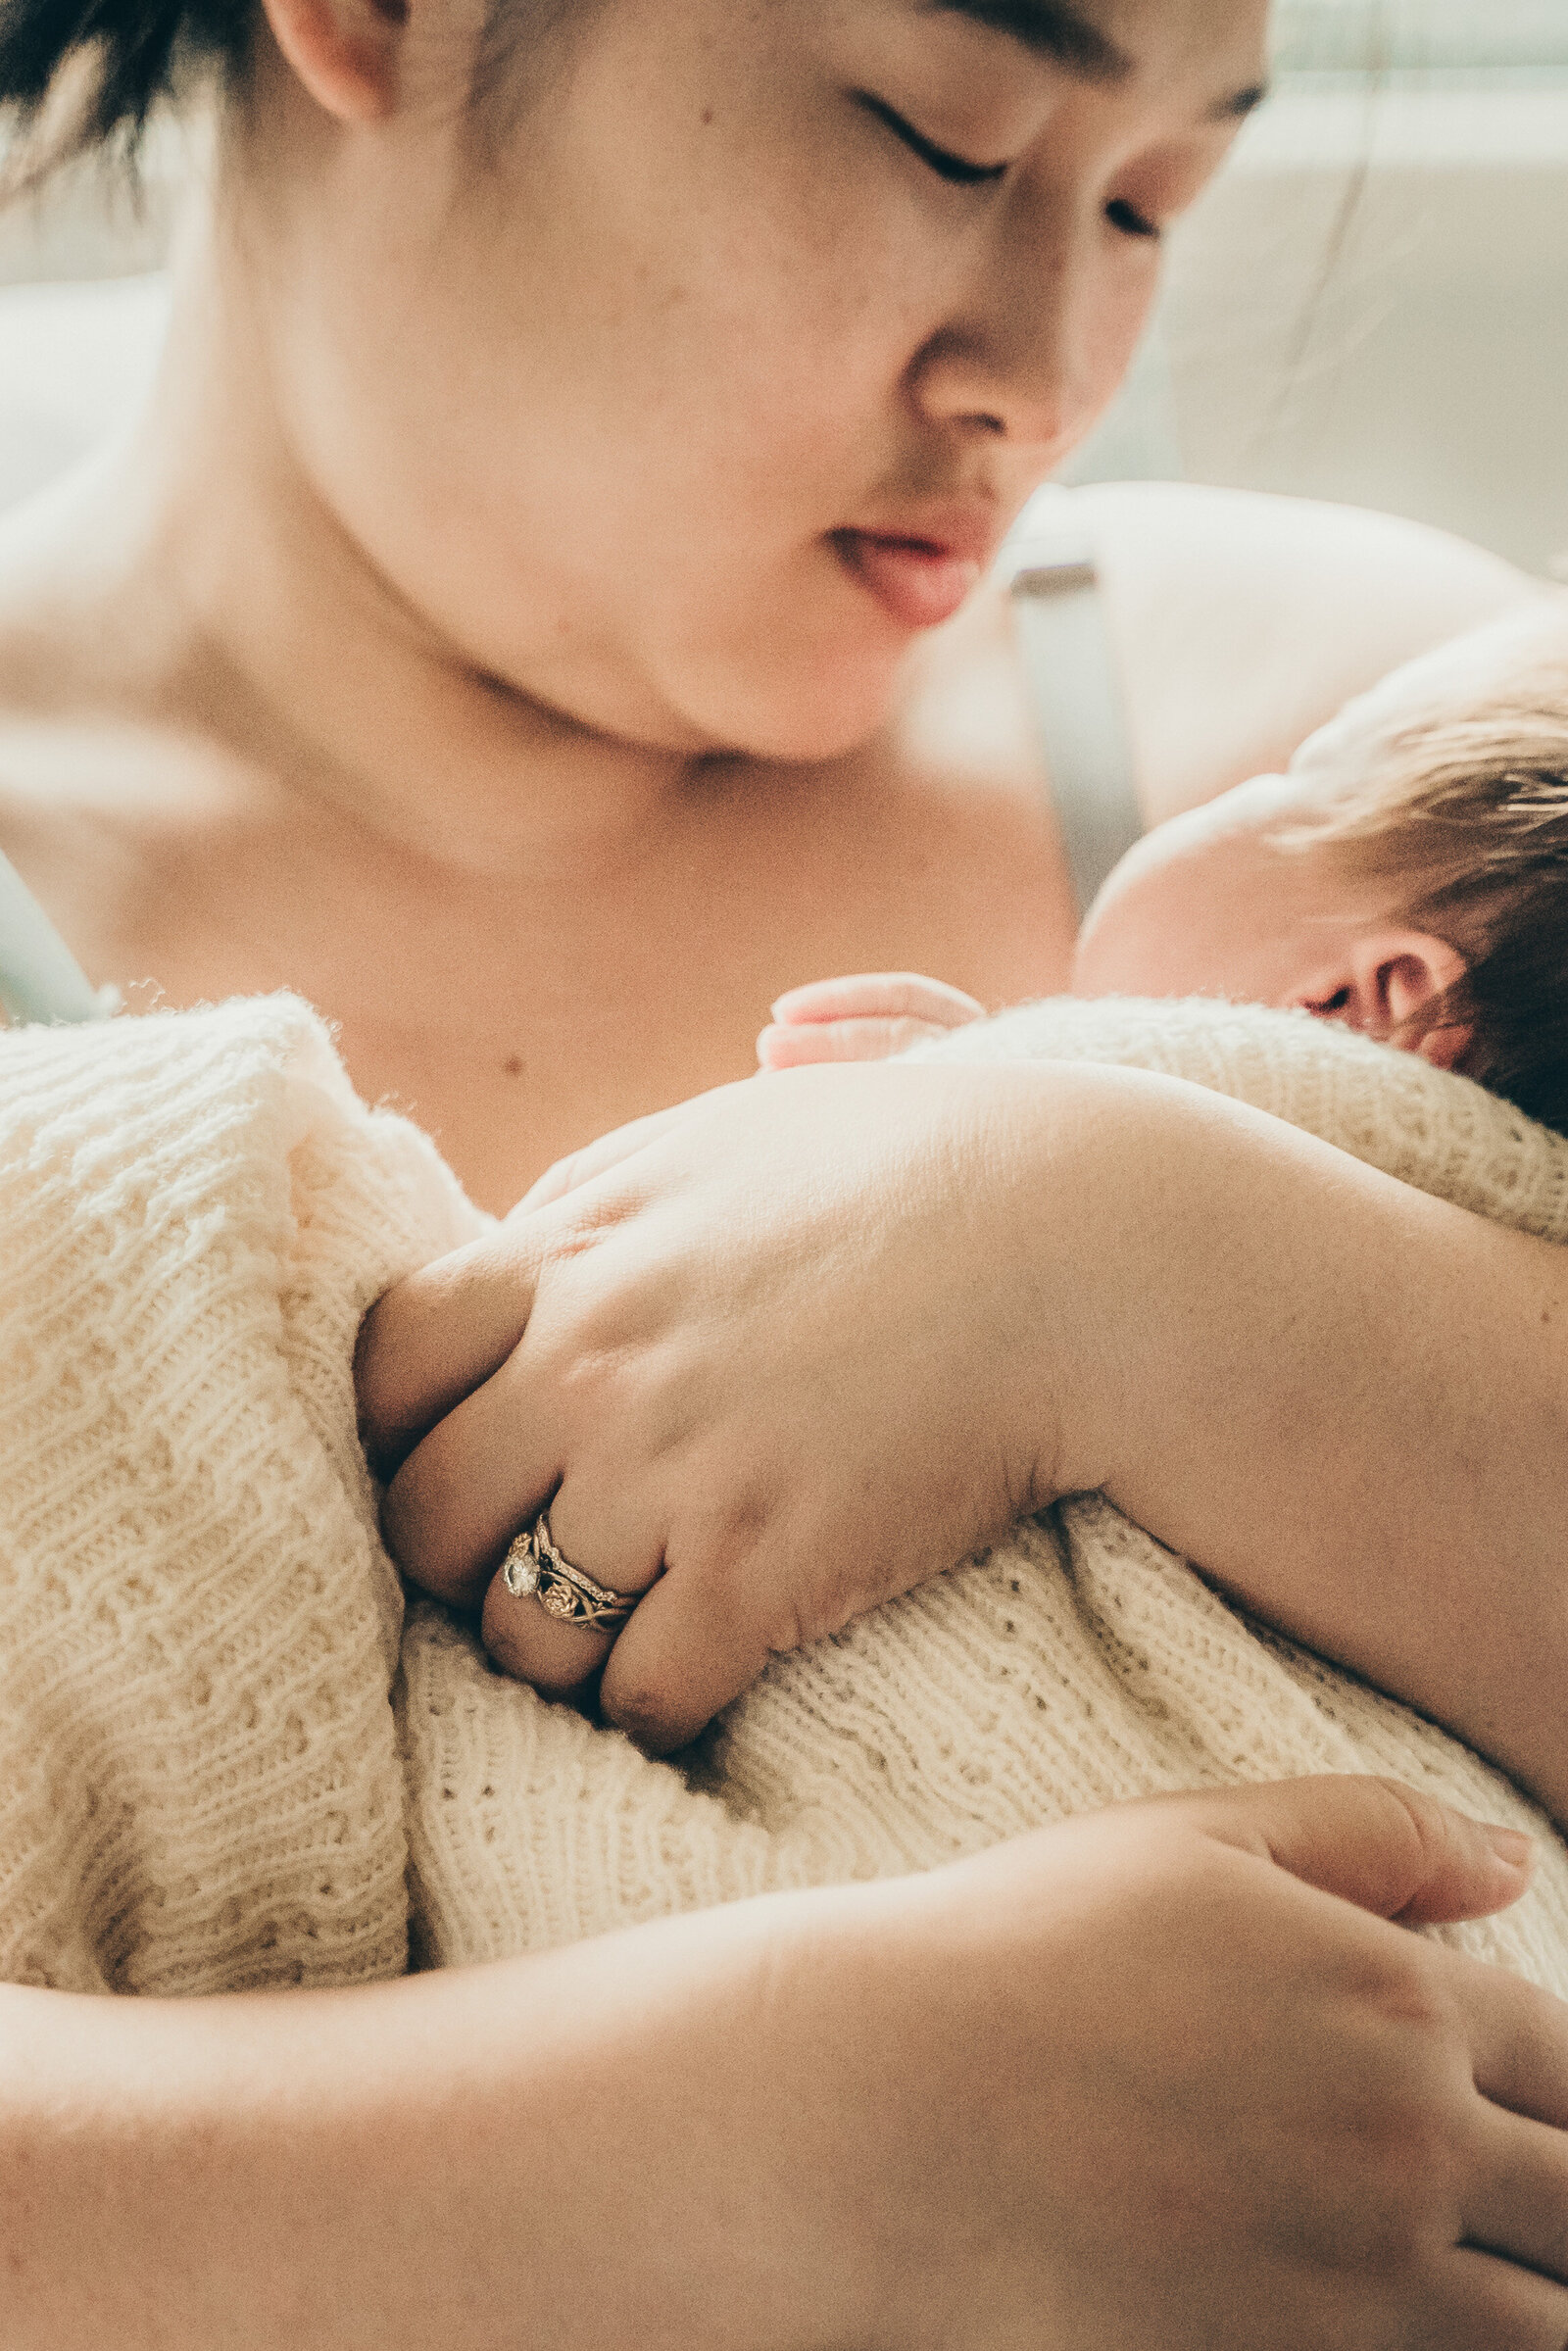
[199,1780]
[214,1773]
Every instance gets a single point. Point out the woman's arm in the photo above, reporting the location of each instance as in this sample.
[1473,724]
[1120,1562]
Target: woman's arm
[1347,1400]
[811,1341]
[1471,1619]
[1130,2078]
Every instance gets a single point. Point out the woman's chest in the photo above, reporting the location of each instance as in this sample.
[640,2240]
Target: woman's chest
[519,1004]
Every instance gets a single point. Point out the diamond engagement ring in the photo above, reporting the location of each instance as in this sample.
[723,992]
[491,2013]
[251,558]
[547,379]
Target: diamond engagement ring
[534,1569]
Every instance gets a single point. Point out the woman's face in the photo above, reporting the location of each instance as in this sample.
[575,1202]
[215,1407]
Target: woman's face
[685,384]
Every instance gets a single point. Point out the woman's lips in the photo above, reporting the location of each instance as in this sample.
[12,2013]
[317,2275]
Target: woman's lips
[921,582]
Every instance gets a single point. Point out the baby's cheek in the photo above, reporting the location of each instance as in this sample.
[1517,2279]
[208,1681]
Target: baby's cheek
[1110,957]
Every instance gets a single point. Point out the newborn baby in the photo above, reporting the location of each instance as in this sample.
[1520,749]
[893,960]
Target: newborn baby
[229,1757]
[1407,878]
[1405,881]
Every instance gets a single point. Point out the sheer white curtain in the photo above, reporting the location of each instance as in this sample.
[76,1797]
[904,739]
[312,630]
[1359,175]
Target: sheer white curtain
[1527,37]
[1371,304]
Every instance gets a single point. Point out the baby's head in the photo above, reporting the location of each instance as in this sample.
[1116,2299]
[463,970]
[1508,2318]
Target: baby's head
[1408,876]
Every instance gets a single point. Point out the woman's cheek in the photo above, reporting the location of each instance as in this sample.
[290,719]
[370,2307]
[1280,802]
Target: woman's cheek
[1129,285]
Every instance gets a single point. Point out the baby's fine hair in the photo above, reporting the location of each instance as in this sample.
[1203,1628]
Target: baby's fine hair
[1463,814]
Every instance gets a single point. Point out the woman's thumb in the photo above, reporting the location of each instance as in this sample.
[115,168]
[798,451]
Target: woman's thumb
[1384,1847]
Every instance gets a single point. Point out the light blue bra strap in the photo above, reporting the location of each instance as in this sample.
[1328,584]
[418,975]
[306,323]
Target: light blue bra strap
[40,978]
[1077,694]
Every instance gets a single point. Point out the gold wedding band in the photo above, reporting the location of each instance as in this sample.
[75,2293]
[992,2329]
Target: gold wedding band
[533,1569]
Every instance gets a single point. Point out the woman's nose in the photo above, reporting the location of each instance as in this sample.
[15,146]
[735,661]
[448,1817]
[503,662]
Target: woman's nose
[1034,352]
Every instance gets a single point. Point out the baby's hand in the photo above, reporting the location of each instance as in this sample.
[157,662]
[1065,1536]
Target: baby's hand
[862,1018]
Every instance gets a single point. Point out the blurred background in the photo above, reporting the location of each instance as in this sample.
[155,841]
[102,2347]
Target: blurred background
[1370,305]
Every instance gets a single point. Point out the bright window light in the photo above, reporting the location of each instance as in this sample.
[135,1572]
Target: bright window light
[1527,37]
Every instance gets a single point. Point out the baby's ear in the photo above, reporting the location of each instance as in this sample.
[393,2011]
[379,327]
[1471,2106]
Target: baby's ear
[1383,984]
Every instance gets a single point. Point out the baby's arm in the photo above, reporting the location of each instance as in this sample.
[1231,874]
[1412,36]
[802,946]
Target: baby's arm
[865,1017]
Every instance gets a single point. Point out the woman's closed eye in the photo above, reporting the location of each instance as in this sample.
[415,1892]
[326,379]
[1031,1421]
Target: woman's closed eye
[1130,221]
[962,172]
[947,166]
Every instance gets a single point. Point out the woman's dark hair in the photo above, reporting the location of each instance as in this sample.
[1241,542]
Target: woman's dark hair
[79,76]
[88,73]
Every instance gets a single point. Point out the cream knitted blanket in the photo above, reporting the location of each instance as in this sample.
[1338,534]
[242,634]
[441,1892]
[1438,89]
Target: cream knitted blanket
[225,1758]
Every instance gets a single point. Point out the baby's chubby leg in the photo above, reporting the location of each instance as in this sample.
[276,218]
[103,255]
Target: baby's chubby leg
[865,1018]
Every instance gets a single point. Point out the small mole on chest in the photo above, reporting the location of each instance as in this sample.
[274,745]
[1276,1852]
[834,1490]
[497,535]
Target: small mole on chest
[513,1065]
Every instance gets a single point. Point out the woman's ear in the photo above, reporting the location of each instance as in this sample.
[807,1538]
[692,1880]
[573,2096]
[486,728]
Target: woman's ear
[1380,986]
[345,52]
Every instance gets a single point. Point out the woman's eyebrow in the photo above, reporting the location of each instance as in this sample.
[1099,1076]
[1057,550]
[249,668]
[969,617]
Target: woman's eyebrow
[1051,28]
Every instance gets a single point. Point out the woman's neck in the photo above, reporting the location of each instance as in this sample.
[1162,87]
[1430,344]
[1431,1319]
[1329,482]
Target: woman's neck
[198,575]
[232,760]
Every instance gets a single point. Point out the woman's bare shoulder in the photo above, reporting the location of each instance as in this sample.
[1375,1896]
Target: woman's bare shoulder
[103,794]
[1239,622]
[1243,620]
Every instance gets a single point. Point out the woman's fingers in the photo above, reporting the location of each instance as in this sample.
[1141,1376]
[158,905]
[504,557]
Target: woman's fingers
[1403,1855]
[521,1635]
[1520,2049]
[1375,1843]
[558,1660]
[1257,2119]
[1517,2206]
[438,1333]
[478,1477]
[1483,2304]
[607,1152]
[683,1657]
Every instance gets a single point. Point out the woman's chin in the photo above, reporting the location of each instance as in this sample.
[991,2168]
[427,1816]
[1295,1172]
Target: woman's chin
[799,711]
[809,698]
[805,713]
[810,738]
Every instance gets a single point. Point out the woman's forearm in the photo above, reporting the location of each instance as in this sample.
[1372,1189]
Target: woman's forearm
[1056,2097]
[568,2150]
[1343,1400]
[1346,1400]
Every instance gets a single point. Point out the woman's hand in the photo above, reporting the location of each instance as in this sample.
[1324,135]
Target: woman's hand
[865,1017]
[770,1357]
[1139,2079]
[807,1342]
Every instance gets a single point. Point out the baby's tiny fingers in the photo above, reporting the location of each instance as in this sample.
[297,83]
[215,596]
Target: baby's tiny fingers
[786,1045]
[878,995]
